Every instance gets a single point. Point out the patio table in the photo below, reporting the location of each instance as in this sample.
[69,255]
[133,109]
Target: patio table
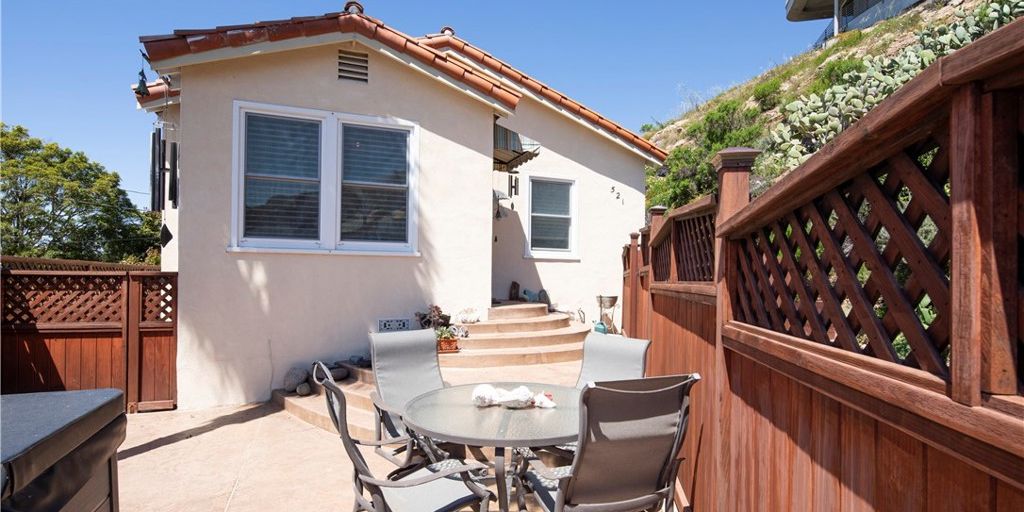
[448,415]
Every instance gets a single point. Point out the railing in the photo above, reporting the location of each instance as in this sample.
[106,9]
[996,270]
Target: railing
[68,330]
[862,339]
[858,15]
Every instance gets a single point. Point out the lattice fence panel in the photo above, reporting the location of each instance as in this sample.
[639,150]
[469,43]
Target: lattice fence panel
[159,298]
[695,254]
[864,267]
[661,260]
[30,299]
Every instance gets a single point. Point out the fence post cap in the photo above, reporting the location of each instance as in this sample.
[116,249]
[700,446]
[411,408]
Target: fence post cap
[733,158]
[658,210]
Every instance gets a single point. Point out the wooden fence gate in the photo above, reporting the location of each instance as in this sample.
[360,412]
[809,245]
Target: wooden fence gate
[69,330]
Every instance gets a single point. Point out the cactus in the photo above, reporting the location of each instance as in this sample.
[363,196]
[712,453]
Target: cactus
[812,121]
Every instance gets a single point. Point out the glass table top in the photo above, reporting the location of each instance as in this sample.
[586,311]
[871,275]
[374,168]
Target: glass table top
[448,414]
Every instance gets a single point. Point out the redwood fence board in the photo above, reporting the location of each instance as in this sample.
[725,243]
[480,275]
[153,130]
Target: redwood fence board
[72,329]
[861,335]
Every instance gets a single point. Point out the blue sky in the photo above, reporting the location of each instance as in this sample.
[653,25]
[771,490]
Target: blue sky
[66,65]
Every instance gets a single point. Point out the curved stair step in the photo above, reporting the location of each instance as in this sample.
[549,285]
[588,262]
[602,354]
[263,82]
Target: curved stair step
[488,357]
[517,310]
[539,323]
[312,409]
[574,333]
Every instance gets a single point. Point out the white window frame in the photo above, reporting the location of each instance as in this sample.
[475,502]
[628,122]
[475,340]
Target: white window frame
[572,253]
[331,126]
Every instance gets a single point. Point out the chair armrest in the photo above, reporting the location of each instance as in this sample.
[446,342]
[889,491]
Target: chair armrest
[413,482]
[379,404]
[546,472]
[383,442]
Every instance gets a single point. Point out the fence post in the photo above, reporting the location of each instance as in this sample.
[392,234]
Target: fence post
[733,167]
[634,283]
[983,167]
[133,341]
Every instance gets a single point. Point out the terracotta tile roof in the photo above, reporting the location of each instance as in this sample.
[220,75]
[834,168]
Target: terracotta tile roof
[425,49]
[447,39]
[158,92]
[185,42]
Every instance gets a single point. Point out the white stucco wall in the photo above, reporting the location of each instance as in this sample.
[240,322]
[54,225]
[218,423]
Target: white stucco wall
[605,218]
[245,318]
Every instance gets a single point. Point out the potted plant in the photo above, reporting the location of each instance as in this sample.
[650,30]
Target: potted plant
[447,334]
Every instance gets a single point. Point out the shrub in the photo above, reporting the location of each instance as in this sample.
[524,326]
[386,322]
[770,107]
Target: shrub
[690,171]
[815,119]
[834,72]
[766,93]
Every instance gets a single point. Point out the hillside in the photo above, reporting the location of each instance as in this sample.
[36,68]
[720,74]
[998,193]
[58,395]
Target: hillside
[791,110]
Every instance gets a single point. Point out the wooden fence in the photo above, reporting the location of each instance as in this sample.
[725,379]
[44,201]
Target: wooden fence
[26,263]
[67,330]
[861,335]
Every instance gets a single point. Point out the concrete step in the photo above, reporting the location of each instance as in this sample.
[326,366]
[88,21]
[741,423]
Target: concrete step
[360,374]
[539,323]
[493,357]
[573,333]
[312,409]
[517,310]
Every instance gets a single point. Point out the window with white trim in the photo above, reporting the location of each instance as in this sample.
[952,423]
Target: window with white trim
[312,180]
[552,210]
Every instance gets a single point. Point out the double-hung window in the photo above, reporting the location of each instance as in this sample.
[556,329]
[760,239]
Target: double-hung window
[312,180]
[552,210]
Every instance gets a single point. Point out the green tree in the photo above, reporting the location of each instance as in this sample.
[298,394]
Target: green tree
[56,203]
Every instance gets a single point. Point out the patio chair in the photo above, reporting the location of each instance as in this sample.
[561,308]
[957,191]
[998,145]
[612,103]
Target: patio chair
[405,365]
[441,487]
[628,450]
[607,357]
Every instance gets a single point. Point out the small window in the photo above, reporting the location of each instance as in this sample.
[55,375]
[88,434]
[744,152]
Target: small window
[551,207]
[282,177]
[374,184]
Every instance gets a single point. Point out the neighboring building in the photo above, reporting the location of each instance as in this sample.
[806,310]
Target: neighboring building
[845,14]
[335,172]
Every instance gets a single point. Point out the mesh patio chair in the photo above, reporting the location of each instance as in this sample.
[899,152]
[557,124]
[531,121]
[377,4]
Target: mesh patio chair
[405,365]
[439,487]
[607,357]
[628,449]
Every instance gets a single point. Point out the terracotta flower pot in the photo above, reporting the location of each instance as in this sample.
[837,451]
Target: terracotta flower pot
[447,345]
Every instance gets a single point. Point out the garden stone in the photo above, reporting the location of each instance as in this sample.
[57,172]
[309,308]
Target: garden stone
[339,374]
[294,377]
[303,389]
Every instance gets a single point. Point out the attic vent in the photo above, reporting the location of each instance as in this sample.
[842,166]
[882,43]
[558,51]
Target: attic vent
[353,66]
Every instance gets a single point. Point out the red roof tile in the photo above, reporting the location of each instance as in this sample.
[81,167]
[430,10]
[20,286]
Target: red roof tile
[158,91]
[449,40]
[186,42]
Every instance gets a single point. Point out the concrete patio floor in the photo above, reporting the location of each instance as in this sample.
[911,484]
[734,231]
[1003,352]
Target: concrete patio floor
[257,457]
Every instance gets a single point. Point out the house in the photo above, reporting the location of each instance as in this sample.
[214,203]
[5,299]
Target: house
[845,14]
[332,173]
